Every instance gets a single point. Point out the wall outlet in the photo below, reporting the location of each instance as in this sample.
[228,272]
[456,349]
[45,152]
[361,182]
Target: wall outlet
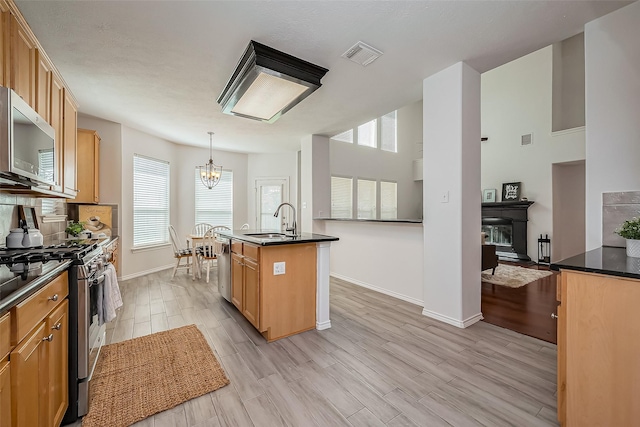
[444,197]
[278,268]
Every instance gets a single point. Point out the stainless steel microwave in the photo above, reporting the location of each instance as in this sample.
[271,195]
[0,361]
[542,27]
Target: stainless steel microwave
[27,141]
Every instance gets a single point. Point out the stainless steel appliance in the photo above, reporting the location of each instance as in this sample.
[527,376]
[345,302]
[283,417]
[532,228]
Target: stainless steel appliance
[27,142]
[224,267]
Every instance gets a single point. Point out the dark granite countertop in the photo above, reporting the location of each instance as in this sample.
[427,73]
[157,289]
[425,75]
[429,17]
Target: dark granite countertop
[604,260]
[387,221]
[245,235]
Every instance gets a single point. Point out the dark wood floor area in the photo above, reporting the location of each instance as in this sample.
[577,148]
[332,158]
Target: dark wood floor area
[526,310]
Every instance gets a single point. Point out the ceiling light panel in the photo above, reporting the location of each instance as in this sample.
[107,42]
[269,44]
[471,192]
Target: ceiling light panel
[267,83]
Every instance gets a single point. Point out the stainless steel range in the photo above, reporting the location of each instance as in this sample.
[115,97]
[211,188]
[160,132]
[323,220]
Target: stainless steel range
[20,268]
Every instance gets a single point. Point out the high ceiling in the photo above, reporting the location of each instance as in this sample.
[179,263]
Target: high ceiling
[159,66]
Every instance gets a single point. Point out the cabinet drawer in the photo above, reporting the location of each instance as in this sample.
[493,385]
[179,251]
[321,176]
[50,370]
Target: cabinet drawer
[5,329]
[31,311]
[251,251]
[236,247]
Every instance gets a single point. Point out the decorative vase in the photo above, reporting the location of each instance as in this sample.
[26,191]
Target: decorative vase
[633,248]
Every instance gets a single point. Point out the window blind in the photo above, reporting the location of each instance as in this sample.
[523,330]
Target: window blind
[346,136]
[45,164]
[389,133]
[150,201]
[367,133]
[388,200]
[341,197]
[366,199]
[215,206]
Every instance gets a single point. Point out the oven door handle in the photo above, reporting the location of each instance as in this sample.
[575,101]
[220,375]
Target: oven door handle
[97,281]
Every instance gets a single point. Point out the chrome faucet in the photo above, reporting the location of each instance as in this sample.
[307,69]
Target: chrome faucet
[294,227]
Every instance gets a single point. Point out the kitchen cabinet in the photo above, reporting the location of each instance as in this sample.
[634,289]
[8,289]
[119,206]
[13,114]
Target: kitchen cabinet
[278,305]
[39,361]
[70,141]
[43,86]
[88,167]
[4,44]
[23,61]
[598,370]
[56,120]
[5,393]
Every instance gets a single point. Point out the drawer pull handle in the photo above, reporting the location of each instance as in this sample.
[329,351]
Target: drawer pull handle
[54,298]
[554,316]
[49,338]
[57,326]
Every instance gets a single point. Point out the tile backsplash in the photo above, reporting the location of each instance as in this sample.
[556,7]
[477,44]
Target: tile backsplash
[52,231]
[618,207]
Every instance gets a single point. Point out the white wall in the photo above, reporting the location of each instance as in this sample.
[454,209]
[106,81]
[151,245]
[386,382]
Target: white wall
[386,257]
[353,160]
[280,165]
[517,100]
[612,63]
[451,115]
[568,210]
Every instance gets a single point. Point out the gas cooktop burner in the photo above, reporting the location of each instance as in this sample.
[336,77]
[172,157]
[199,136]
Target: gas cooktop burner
[71,250]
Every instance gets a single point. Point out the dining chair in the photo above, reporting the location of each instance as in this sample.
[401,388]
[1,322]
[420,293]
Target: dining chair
[245,226]
[200,229]
[210,247]
[179,253]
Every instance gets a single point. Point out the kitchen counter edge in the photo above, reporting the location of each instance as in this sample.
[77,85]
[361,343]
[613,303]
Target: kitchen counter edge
[25,292]
[302,238]
[606,260]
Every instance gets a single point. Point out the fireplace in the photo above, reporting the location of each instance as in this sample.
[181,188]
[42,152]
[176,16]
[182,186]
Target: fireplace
[505,224]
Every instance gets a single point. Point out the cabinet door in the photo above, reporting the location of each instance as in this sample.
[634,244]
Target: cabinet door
[70,138]
[86,170]
[5,394]
[562,348]
[23,62]
[57,324]
[251,303]
[56,120]
[4,45]
[43,86]
[30,379]
[237,279]
[96,169]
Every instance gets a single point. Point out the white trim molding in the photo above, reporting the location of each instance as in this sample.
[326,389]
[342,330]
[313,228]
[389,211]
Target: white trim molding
[143,273]
[451,321]
[568,131]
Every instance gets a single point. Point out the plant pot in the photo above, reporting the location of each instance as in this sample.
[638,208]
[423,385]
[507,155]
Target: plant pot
[633,248]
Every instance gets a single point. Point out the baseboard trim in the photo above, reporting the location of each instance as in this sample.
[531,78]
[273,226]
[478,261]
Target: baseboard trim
[451,321]
[143,273]
[378,289]
[321,326]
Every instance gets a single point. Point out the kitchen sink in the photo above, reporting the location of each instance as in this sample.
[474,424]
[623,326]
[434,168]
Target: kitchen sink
[267,235]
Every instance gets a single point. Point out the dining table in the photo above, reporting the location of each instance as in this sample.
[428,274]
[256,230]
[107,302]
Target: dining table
[196,240]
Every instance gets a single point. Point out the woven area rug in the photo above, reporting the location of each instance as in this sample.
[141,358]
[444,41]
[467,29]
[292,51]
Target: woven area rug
[513,276]
[137,378]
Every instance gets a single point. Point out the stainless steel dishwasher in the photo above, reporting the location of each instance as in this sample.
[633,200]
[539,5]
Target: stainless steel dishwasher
[224,267]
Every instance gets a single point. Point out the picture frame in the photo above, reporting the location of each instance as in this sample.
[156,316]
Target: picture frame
[511,192]
[29,215]
[489,195]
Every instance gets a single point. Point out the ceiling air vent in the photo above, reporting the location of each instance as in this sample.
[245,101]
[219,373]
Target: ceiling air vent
[526,139]
[361,53]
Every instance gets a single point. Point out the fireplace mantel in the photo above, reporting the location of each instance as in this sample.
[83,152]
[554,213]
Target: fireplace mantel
[516,213]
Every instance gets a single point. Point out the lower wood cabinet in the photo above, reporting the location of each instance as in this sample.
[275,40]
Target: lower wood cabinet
[278,305]
[38,365]
[598,350]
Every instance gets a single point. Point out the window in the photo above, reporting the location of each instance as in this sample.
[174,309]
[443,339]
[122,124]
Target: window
[388,200]
[366,199]
[346,136]
[215,206]
[367,133]
[150,201]
[341,197]
[45,164]
[389,132]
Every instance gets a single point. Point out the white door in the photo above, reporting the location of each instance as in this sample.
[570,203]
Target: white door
[270,192]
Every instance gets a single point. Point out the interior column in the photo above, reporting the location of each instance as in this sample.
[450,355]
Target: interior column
[452,195]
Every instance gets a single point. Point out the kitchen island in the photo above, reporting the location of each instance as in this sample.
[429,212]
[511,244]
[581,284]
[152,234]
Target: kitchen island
[598,346]
[280,283]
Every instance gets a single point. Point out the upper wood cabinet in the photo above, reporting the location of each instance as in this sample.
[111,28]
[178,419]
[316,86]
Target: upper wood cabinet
[23,62]
[56,120]
[43,86]
[88,170]
[4,44]
[70,138]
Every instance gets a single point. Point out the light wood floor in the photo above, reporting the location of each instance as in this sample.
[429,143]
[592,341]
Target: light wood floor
[381,364]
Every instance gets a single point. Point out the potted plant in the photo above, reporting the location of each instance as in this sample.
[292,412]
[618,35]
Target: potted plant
[630,230]
[74,228]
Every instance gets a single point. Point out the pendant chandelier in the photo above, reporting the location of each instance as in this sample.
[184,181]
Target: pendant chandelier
[210,173]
